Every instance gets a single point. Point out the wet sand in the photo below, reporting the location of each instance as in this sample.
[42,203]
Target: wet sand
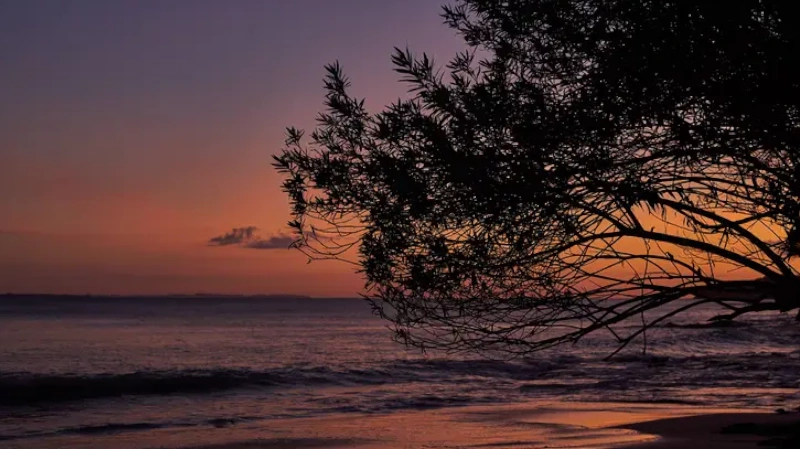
[555,425]
[718,431]
[522,426]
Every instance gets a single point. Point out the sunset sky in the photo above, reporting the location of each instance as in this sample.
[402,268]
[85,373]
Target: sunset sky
[133,132]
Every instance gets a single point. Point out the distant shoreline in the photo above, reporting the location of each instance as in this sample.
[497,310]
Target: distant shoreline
[170,296]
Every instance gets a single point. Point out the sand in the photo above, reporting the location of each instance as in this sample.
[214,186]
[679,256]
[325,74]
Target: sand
[523,426]
[719,431]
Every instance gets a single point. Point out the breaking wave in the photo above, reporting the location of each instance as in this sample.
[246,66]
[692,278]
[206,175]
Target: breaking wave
[28,388]
[567,374]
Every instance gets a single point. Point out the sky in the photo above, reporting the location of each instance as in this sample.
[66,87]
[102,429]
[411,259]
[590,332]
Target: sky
[132,132]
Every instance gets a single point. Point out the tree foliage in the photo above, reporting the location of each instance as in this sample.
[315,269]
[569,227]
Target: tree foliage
[580,163]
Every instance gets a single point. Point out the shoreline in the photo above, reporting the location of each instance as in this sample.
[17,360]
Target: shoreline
[534,425]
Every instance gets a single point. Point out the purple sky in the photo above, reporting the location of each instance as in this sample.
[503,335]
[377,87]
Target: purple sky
[133,131]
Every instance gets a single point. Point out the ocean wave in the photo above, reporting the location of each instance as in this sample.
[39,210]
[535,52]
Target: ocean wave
[110,428]
[29,388]
[708,325]
[527,376]
[99,429]
[20,388]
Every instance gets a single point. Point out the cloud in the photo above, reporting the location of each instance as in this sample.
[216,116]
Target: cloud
[247,237]
[237,236]
[274,242]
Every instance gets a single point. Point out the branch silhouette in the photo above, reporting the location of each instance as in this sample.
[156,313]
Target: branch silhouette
[580,164]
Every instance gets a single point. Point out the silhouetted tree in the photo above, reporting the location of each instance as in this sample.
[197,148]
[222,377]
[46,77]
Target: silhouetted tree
[581,163]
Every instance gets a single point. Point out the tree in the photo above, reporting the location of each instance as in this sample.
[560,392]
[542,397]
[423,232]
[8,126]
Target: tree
[581,163]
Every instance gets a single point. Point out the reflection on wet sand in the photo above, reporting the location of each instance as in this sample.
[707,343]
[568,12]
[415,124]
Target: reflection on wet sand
[566,425]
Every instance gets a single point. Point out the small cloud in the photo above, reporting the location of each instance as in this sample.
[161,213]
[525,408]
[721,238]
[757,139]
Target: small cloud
[274,242]
[247,237]
[237,236]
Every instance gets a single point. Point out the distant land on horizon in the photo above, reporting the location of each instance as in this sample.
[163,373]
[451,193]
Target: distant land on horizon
[166,296]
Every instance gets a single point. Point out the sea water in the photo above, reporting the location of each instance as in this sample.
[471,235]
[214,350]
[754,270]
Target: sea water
[75,369]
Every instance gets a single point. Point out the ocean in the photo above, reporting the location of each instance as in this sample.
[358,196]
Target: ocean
[184,372]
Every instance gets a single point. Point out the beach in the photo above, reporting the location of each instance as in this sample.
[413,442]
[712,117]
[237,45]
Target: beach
[174,373]
[534,224]
[720,431]
[513,426]
[590,426]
